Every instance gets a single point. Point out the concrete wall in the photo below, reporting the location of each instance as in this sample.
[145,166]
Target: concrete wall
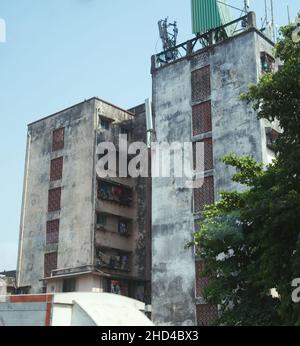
[25,310]
[83,283]
[263,45]
[76,200]
[235,65]
[22,314]
[173,267]
[236,129]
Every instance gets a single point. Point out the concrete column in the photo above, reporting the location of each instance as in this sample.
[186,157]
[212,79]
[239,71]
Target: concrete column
[252,20]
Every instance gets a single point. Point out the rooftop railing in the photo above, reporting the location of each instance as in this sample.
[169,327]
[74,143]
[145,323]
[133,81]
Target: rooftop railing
[203,40]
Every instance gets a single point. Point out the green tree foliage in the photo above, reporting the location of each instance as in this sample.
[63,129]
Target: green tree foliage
[250,241]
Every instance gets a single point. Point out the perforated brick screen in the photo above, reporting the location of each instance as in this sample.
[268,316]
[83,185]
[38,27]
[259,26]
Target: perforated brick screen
[208,154]
[56,169]
[54,198]
[206,314]
[202,122]
[52,234]
[50,263]
[58,139]
[204,195]
[201,281]
[201,86]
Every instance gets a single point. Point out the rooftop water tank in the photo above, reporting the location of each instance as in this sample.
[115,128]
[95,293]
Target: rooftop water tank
[210,14]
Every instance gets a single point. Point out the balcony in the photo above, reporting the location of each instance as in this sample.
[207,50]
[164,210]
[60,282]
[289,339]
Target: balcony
[115,193]
[113,259]
[113,224]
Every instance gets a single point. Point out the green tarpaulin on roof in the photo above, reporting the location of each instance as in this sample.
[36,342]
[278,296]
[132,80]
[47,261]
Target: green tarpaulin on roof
[210,14]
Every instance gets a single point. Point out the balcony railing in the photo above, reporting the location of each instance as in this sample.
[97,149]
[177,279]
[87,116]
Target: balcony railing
[114,192]
[72,271]
[115,260]
[123,229]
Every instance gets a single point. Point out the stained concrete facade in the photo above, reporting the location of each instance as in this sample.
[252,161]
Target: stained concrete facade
[232,64]
[173,269]
[74,253]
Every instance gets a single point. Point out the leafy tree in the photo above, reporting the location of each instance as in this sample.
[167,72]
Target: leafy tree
[250,241]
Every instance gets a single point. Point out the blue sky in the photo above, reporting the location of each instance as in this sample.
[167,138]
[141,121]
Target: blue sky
[59,52]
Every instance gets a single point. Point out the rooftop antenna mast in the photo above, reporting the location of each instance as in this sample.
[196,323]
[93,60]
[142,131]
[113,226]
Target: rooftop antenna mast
[246,6]
[266,13]
[273,21]
[168,33]
[288,12]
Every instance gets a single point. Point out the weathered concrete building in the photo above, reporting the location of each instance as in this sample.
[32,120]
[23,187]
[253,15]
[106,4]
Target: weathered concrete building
[79,232]
[196,98]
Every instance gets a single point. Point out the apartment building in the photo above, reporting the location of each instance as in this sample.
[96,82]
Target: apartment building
[79,232]
[196,98]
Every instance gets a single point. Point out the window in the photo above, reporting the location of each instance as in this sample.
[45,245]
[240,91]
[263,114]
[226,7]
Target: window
[69,285]
[208,154]
[56,169]
[113,259]
[123,227]
[54,198]
[58,139]
[105,124]
[267,62]
[204,195]
[202,122]
[50,263]
[101,220]
[201,87]
[52,232]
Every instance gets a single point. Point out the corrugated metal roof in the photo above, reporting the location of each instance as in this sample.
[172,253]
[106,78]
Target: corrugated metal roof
[210,14]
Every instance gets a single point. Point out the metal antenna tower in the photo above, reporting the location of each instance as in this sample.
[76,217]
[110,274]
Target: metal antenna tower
[288,12]
[266,12]
[168,33]
[273,21]
[246,5]
[269,24]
